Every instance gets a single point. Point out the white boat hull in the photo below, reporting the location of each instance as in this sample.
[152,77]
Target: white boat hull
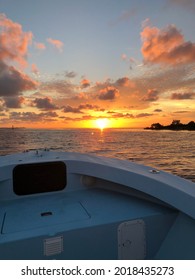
[57,205]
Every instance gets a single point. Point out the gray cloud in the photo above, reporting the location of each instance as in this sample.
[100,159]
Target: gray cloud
[70,109]
[78,110]
[152,95]
[13,82]
[33,117]
[70,74]
[13,101]
[59,86]
[182,96]
[44,103]
[108,93]
[186,4]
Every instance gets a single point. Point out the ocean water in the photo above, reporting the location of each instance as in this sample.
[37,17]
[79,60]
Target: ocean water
[172,151]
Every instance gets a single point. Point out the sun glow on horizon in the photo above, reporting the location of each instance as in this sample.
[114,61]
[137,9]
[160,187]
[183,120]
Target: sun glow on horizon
[102,123]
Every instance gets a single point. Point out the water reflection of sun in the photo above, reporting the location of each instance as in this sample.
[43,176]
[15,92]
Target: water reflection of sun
[102,123]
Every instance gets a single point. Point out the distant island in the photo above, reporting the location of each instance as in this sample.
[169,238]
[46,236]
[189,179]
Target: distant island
[12,127]
[175,125]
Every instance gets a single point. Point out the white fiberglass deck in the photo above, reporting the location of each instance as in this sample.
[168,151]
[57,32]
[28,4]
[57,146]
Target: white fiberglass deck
[107,209]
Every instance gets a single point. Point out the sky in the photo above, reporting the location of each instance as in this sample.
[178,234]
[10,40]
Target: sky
[87,63]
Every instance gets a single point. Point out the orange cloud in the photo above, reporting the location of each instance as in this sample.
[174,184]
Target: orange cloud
[81,96]
[34,69]
[13,41]
[166,46]
[13,48]
[40,46]
[124,56]
[56,43]
[85,83]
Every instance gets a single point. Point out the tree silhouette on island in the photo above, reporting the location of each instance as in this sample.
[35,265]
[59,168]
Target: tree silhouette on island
[175,125]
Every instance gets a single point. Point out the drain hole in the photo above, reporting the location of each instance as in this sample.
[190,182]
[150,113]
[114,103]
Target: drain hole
[46,214]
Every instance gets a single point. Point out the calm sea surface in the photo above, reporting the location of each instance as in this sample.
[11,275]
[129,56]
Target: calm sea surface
[172,151]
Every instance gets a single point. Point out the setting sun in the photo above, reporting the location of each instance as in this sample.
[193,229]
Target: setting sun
[102,123]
